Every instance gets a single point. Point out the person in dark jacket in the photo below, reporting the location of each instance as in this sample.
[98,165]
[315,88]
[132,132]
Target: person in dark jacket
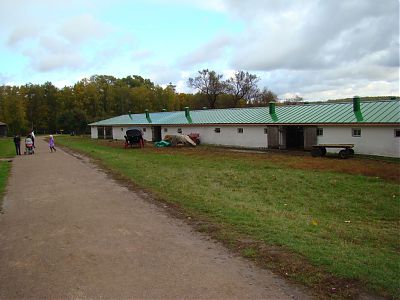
[17,142]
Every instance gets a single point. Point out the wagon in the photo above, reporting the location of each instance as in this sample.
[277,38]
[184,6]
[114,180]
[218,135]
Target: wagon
[195,137]
[134,136]
[320,150]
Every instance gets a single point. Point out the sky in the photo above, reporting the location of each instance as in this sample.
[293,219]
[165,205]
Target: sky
[315,49]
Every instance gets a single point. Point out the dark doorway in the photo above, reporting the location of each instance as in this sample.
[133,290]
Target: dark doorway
[294,137]
[100,132]
[109,133]
[156,133]
[3,129]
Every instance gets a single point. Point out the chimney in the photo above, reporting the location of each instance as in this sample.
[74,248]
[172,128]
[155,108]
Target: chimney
[147,115]
[357,108]
[356,104]
[272,111]
[272,108]
[187,114]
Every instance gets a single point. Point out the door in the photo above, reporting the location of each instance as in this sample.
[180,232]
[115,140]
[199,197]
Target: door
[310,137]
[273,137]
[156,133]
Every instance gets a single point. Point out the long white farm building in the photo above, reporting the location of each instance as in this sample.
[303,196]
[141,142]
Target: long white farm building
[373,127]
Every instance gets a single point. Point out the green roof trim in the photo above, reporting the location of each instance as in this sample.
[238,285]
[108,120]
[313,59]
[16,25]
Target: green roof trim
[374,112]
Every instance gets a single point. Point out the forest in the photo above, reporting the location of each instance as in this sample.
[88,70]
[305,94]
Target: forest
[48,109]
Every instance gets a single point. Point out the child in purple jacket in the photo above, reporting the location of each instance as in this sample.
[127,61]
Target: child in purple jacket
[52,144]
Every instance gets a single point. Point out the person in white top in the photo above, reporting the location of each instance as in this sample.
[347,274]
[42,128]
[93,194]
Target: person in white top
[33,138]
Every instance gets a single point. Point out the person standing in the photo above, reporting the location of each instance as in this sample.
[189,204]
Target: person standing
[52,144]
[33,138]
[17,142]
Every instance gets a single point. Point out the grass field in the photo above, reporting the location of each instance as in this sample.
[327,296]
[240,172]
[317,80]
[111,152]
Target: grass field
[6,150]
[334,231]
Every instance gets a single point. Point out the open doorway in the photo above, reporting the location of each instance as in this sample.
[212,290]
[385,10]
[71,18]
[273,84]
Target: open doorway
[294,137]
[156,133]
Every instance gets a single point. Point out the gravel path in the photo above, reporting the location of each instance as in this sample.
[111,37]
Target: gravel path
[69,231]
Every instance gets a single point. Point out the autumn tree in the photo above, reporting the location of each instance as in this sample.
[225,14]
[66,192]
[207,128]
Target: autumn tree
[208,83]
[262,98]
[242,85]
[13,110]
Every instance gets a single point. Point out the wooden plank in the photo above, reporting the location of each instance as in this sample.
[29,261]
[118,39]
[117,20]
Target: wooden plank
[310,136]
[334,145]
[273,137]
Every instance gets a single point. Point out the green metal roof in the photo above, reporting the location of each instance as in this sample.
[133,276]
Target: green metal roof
[374,112]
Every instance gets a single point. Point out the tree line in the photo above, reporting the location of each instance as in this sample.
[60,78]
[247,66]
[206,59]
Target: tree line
[48,109]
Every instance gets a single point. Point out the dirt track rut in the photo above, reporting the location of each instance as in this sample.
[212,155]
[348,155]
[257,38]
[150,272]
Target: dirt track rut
[69,231]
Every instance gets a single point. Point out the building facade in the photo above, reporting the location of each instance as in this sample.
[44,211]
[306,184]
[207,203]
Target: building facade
[3,129]
[373,127]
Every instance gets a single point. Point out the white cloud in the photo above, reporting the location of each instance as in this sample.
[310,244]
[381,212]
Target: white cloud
[161,73]
[316,49]
[83,27]
[310,37]
[209,52]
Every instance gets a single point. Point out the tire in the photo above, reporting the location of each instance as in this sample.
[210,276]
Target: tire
[350,152]
[343,154]
[323,151]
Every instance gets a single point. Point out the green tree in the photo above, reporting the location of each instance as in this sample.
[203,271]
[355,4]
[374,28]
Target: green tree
[13,111]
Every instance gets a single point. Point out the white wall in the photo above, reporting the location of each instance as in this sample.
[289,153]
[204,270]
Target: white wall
[373,140]
[252,136]
[93,132]
[120,131]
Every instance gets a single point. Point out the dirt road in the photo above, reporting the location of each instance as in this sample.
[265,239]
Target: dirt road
[69,231]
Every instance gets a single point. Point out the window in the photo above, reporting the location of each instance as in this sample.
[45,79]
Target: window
[240,130]
[356,132]
[397,132]
[265,130]
[165,129]
[144,129]
[217,130]
[179,130]
[320,131]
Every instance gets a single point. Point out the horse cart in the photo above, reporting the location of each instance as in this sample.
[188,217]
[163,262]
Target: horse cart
[134,137]
[346,152]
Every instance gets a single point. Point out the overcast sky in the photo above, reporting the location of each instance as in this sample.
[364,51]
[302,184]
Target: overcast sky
[317,49]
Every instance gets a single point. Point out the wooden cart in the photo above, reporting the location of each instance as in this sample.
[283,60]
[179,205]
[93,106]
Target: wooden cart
[320,150]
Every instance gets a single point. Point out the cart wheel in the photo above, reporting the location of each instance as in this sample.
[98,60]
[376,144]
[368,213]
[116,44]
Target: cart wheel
[343,154]
[323,151]
[350,152]
[315,152]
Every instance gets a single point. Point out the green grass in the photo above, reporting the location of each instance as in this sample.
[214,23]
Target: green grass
[4,172]
[347,224]
[7,149]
